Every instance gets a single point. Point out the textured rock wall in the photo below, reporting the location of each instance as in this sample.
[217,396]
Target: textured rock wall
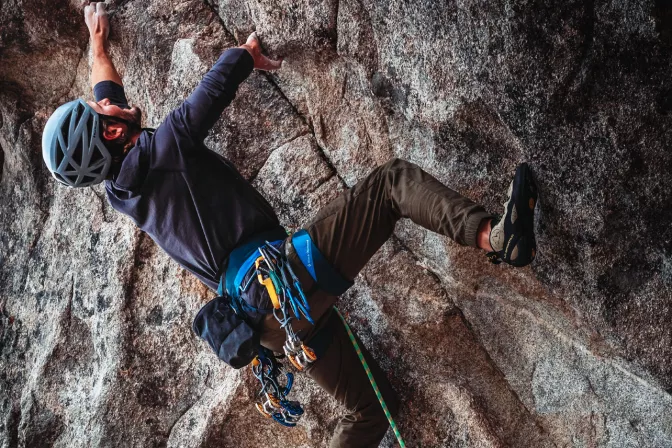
[96,347]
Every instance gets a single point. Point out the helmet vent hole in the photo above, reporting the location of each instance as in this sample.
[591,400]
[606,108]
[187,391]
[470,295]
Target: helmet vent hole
[72,178]
[64,132]
[96,157]
[59,155]
[78,112]
[77,154]
[88,179]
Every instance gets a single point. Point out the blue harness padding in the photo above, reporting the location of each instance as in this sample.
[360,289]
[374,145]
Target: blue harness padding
[323,273]
[242,258]
[240,261]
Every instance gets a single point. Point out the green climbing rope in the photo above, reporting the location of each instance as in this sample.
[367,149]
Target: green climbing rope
[372,380]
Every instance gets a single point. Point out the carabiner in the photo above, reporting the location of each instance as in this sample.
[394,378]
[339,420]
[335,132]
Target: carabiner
[268,283]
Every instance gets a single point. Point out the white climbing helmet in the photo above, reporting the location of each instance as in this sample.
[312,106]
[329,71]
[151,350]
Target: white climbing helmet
[72,146]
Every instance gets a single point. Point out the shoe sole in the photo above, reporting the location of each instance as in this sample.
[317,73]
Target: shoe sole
[523,249]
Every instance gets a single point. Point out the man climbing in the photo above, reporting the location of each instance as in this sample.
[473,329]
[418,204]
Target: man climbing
[197,207]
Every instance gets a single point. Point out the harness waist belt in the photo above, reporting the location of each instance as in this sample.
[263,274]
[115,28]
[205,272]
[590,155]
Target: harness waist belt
[242,258]
[323,273]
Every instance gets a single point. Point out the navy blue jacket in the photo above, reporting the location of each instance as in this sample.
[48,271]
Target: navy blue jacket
[191,201]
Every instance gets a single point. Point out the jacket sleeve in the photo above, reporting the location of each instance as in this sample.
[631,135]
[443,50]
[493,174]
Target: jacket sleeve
[185,128]
[198,114]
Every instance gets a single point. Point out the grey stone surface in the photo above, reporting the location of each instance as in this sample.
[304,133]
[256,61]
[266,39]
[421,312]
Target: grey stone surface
[96,347]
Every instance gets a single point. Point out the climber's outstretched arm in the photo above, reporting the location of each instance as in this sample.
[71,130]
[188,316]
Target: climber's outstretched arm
[103,69]
[201,110]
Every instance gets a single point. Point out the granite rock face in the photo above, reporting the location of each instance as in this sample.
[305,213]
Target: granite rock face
[96,347]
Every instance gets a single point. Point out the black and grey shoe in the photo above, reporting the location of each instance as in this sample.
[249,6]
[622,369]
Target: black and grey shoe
[512,235]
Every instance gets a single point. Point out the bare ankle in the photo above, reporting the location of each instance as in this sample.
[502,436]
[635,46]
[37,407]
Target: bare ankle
[483,235]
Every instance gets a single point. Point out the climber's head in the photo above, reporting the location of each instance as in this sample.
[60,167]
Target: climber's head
[84,142]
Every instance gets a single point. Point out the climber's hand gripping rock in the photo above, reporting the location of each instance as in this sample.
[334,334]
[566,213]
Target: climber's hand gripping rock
[97,21]
[261,62]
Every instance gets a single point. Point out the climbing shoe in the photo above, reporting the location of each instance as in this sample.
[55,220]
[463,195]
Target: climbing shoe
[512,235]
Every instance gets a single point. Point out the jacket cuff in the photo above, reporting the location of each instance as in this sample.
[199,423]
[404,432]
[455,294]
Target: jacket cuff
[241,59]
[471,227]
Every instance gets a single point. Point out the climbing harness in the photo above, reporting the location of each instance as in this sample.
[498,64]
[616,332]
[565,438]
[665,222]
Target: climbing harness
[273,271]
[227,324]
[393,425]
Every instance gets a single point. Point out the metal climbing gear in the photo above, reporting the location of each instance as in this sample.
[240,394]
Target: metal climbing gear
[275,404]
[274,272]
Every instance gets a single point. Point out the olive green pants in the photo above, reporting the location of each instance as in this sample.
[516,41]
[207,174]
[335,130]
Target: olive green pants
[348,231]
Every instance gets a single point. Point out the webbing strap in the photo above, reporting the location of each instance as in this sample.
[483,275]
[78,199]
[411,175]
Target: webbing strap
[324,274]
[303,246]
[393,425]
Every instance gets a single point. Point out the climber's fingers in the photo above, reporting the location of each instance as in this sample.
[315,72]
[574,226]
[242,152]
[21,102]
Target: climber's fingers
[261,62]
[95,16]
[252,40]
[100,9]
[89,10]
[268,64]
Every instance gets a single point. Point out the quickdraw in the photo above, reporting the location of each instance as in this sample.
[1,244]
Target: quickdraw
[275,404]
[274,272]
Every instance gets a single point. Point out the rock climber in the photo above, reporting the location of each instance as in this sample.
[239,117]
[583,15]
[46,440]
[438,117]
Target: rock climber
[196,206]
